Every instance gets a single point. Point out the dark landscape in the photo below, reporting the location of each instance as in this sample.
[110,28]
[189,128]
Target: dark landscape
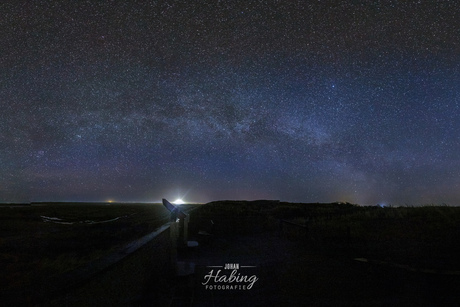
[306,254]
[41,241]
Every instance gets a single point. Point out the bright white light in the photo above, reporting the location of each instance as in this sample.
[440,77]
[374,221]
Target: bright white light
[178,201]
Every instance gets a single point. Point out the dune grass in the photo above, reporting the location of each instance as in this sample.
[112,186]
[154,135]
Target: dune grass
[39,242]
[426,236]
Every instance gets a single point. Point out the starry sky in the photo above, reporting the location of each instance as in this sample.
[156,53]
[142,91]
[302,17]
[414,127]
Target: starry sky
[303,101]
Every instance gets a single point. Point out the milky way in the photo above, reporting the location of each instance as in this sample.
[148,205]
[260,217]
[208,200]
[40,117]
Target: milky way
[292,100]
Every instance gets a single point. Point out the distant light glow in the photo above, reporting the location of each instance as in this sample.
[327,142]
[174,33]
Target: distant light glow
[178,201]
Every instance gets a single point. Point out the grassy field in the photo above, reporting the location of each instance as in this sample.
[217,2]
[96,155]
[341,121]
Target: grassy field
[43,240]
[398,244]
[422,237]
[409,256]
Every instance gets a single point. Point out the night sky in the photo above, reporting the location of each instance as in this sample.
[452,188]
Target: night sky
[306,101]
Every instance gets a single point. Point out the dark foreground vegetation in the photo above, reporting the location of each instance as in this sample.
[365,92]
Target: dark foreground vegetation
[427,236]
[40,241]
[342,254]
[348,255]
